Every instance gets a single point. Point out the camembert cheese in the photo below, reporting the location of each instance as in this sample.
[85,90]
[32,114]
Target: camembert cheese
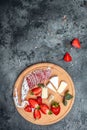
[54,81]
[62,87]
[50,86]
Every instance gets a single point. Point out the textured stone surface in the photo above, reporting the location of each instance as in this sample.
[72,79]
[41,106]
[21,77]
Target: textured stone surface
[33,31]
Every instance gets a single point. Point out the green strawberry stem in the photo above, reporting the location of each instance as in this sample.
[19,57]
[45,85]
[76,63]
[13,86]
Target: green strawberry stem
[50,112]
[38,107]
[31,93]
[41,85]
[55,104]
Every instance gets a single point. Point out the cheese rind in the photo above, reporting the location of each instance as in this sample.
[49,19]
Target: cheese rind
[50,86]
[44,92]
[22,104]
[62,87]
[24,89]
[54,80]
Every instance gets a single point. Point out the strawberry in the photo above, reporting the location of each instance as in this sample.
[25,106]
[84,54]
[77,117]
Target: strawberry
[55,108]
[37,114]
[67,57]
[76,43]
[39,100]
[33,103]
[28,108]
[45,109]
[36,91]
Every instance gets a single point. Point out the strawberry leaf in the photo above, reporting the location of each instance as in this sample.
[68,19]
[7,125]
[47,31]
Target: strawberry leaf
[68,96]
[65,102]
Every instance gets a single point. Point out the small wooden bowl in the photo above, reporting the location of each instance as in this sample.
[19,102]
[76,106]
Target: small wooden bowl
[63,76]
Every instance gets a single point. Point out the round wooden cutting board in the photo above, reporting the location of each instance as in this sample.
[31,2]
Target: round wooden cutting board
[63,76]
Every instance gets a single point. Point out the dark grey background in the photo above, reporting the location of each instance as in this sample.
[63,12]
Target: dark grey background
[33,31]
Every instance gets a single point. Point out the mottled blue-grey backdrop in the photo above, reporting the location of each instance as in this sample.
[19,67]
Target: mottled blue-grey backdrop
[33,31]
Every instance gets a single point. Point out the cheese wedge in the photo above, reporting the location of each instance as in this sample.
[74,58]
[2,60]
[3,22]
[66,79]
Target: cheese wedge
[50,98]
[50,86]
[44,92]
[62,87]
[54,81]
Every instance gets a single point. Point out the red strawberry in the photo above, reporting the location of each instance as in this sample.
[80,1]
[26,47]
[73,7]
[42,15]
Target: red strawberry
[28,108]
[76,43]
[45,109]
[55,108]
[67,57]
[36,91]
[33,103]
[39,100]
[37,114]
